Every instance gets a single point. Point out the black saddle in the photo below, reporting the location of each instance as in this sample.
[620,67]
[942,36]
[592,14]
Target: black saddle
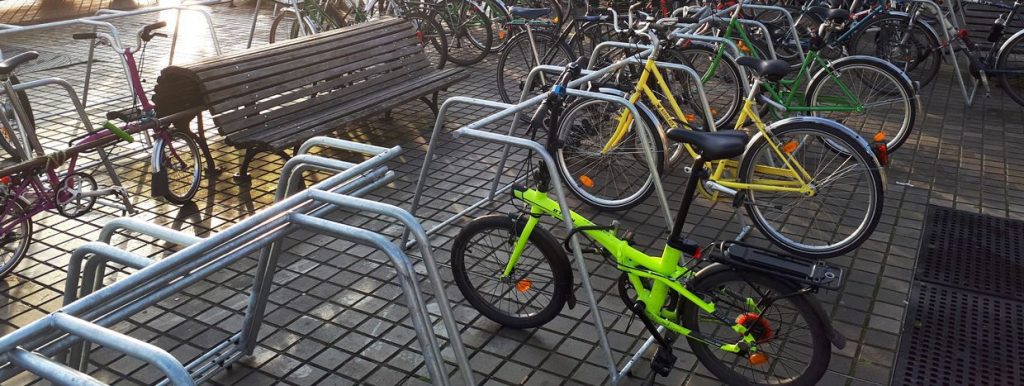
[770,69]
[8,66]
[831,14]
[712,145]
[529,13]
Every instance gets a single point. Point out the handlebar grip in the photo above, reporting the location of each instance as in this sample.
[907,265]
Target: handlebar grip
[118,132]
[84,36]
[155,26]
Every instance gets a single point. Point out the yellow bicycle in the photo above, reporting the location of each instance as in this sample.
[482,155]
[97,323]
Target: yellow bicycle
[811,185]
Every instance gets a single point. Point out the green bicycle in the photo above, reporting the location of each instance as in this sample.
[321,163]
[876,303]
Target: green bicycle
[748,315]
[866,94]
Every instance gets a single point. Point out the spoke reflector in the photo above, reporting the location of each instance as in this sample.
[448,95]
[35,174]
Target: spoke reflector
[523,285]
[789,147]
[586,181]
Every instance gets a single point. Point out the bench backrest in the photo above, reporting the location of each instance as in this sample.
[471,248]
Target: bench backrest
[249,89]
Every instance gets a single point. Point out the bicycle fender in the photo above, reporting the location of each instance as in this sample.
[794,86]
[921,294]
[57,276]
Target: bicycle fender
[834,336]
[1006,43]
[902,76]
[818,120]
[158,182]
[155,159]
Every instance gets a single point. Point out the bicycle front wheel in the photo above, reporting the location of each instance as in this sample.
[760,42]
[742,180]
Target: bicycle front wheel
[537,287]
[14,243]
[285,26]
[469,32]
[180,158]
[884,102]
[788,332]
[614,179]
[517,59]
[1011,69]
[720,77]
[844,203]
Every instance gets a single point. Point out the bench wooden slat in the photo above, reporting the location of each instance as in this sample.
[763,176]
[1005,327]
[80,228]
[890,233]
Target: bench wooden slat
[284,67]
[326,106]
[340,87]
[261,89]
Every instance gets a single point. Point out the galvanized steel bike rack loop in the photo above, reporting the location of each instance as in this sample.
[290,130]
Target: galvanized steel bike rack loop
[101,20]
[98,308]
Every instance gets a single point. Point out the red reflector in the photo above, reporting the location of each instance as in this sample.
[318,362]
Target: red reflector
[5,180]
[882,152]
[696,255]
[962,33]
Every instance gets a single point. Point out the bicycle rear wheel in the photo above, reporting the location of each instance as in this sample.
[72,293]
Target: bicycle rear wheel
[431,37]
[910,47]
[8,114]
[182,162]
[618,179]
[285,26]
[468,31]
[517,59]
[880,90]
[14,244]
[538,286]
[847,183]
[788,331]
[722,85]
[1011,67]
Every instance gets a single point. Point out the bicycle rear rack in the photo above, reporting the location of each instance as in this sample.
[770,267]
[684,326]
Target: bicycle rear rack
[90,311]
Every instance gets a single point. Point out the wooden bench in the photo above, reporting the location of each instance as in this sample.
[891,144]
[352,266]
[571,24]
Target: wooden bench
[275,97]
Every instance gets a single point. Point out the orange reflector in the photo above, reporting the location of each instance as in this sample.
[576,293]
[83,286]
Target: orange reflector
[789,147]
[523,285]
[757,359]
[555,20]
[742,46]
[714,111]
[501,34]
[879,137]
[586,181]
[690,117]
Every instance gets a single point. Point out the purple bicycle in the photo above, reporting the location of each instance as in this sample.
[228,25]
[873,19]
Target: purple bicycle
[35,185]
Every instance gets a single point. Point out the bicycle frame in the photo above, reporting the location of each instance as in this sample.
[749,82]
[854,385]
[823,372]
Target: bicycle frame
[664,271]
[798,177]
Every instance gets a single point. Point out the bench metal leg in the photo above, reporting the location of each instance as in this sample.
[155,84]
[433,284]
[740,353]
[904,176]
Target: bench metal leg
[431,103]
[243,169]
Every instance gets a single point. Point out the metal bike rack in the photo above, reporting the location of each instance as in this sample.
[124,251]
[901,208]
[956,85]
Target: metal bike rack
[949,50]
[472,130]
[98,309]
[101,20]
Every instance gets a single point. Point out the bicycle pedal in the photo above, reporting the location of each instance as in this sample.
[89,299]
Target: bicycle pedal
[663,362]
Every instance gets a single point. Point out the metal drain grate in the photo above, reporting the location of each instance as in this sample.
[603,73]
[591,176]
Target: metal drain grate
[956,337]
[972,251]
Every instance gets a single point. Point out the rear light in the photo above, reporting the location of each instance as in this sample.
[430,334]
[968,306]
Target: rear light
[6,180]
[880,148]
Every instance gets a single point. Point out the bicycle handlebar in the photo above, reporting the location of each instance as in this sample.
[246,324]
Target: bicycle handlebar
[145,34]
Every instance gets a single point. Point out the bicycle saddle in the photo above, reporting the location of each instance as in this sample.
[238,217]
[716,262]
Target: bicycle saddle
[529,13]
[10,64]
[771,69]
[831,14]
[712,145]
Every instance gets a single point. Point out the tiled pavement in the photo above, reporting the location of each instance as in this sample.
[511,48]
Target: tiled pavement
[336,316]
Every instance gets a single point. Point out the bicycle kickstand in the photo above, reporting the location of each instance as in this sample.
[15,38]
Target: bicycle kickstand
[663,360]
[123,194]
[744,227]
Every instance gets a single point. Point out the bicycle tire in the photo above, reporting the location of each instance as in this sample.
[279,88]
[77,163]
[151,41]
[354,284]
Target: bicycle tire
[12,119]
[1015,47]
[725,96]
[837,141]
[500,19]
[553,260]
[516,61]
[431,36]
[293,31]
[712,284]
[460,17]
[896,86]
[190,175]
[24,238]
[917,57]
[570,133]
